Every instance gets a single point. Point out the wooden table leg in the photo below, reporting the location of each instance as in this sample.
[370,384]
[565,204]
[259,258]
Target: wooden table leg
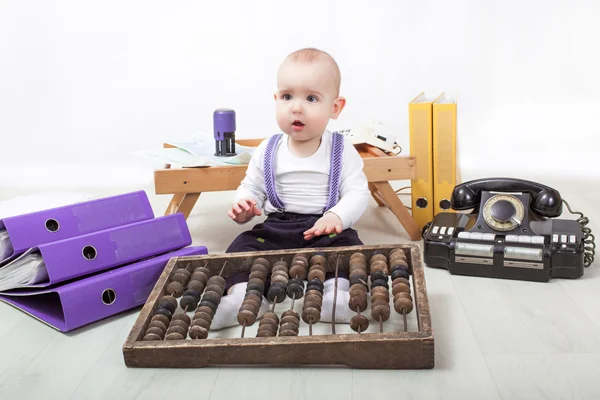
[376,195]
[183,203]
[399,209]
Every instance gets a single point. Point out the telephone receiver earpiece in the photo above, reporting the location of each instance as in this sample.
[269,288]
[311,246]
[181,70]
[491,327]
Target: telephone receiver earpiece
[545,200]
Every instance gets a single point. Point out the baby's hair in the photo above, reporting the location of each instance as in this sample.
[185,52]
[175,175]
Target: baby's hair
[310,55]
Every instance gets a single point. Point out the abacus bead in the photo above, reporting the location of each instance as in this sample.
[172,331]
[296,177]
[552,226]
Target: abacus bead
[295,291]
[290,319]
[152,336]
[156,331]
[204,270]
[276,294]
[179,277]
[175,288]
[196,285]
[201,322]
[177,329]
[217,280]
[379,282]
[174,336]
[359,321]
[258,275]
[318,258]
[400,280]
[316,283]
[182,317]
[316,274]
[199,276]
[311,313]
[289,326]
[168,302]
[358,301]
[400,273]
[313,304]
[380,311]
[215,288]
[396,250]
[379,275]
[358,256]
[271,316]
[210,305]
[404,295]
[161,318]
[202,315]
[288,332]
[299,271]
[377,257]
[179,323]
[165,312]
[211,296]
[203,308]
[198,332]
[255,293]
[159,324]
[401,304]
[358,280]
[188,303]
[262,261]
[400,287]
[246,316]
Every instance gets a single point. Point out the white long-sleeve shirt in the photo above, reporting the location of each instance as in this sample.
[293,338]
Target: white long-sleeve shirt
[302,183]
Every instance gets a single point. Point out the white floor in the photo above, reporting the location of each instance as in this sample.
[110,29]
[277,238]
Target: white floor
[494,339]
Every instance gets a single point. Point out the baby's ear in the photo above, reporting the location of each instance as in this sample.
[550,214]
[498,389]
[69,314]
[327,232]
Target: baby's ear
[338,106]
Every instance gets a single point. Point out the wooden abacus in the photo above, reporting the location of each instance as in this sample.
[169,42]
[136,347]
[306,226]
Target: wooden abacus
[165,336]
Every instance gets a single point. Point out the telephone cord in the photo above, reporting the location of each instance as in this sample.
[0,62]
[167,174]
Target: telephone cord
[588,237]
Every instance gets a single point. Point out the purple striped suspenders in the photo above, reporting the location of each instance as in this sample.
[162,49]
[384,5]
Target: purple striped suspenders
[335,171]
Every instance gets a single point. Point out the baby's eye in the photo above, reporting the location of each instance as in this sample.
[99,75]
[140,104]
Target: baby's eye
[312,98]
[286,97]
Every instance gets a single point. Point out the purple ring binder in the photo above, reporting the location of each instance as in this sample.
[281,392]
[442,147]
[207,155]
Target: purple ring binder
[72,305]
[41,227]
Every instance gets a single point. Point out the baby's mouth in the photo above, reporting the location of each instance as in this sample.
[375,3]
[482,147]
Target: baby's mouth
[297,123]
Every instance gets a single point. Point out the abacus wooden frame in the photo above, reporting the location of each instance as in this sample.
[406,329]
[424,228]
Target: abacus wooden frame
[388,350]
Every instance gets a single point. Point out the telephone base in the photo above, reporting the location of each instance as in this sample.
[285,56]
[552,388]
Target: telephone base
[554,250]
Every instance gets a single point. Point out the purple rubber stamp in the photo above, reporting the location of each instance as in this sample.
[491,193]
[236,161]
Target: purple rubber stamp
[224,129]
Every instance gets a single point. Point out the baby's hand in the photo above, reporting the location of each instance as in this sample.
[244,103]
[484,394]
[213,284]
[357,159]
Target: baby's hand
[325,225]
[243,211]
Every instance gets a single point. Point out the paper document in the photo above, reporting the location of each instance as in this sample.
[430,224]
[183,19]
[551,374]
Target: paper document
[199,152]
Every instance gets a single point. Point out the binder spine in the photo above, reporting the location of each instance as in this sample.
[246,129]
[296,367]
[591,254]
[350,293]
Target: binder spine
[106,249]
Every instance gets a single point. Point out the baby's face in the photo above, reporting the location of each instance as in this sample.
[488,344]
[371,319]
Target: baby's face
[305,99]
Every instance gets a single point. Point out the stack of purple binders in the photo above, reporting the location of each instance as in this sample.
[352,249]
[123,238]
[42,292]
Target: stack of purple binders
[74,265]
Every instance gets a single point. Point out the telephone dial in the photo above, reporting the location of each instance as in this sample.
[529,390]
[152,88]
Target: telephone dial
[512,232]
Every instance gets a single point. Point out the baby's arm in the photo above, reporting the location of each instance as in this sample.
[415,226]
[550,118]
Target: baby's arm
[250,195]
[354,188]
[354,197]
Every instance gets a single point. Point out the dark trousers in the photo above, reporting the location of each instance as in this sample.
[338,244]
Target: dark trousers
[282,231]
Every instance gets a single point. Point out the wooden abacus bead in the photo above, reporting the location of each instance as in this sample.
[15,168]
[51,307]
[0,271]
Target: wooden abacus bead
[198,332]
[379,282]
[358,280]
[205,323]
[400,287]
[357,321]
[205,310]
[179,323]
[174,336]
[380,293]
[200,276]
[217,280]
[299,271]
[152,336]
[379,266]
[246,317]
[268,325]
[190,300]
[295,288]
[158,324]
[403,305]
[164,311]
[400,273]
[315,284]
[358,299]
[300,258]
[258,274]
[358,257]
[309,314]
[176,329]
[277,292]
[196,286]
[290,323]
[156,331]
[395,251]
[377,256]
[181,275]
[318,259]
[169,302]
[280,264]
[262,261]
[160,318]
[316,272]
[183,318]
[175,288]
[380,308]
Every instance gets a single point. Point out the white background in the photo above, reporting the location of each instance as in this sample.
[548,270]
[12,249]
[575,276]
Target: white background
[85,84]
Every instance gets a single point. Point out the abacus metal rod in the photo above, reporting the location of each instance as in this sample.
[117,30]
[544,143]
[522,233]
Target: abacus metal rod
[358,313]
[404,317]
[337,264]
[380,323]
[243,328]
[222,269]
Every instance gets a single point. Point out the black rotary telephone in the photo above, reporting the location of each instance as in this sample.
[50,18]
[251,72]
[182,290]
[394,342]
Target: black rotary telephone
[512,232]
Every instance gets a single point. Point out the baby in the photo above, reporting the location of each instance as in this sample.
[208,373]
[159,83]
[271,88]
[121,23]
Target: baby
[309,181]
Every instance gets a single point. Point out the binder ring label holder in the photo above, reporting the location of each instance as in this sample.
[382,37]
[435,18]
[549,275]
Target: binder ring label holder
[109,296]
[89,252]
[52,225]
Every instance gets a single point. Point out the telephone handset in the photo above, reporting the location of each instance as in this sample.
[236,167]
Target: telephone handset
[512,232]
[545,200]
